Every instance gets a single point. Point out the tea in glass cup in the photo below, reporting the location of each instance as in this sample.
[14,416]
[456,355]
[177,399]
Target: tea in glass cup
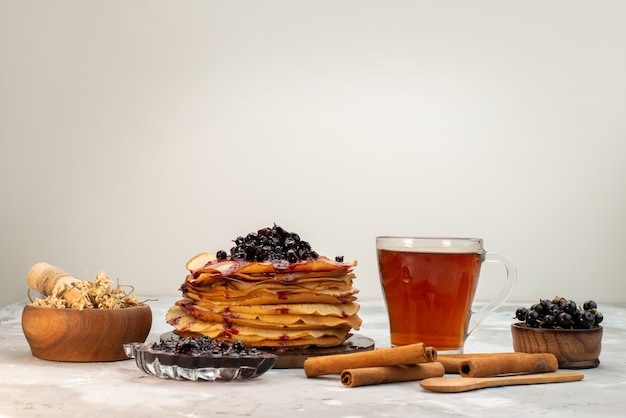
[429,286]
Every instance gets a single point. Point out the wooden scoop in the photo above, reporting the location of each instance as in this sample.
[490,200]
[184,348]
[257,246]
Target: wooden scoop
[463,384]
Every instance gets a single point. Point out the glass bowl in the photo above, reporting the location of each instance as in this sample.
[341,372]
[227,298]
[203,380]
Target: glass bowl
[199,367]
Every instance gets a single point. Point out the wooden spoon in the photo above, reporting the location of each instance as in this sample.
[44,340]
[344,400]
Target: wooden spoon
[463,384]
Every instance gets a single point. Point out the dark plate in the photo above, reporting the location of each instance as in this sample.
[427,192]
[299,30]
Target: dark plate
[293,358]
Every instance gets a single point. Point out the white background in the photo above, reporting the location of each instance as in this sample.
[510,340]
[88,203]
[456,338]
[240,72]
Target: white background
[135,134]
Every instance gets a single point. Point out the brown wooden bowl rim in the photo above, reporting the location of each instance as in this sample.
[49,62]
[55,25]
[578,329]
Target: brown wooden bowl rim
[520,326]
[81,311]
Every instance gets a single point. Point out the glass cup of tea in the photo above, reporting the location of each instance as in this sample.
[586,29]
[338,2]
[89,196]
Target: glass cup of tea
[429,286]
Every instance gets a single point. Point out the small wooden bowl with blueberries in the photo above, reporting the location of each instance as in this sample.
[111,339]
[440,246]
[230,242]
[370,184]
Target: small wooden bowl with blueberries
[560,326]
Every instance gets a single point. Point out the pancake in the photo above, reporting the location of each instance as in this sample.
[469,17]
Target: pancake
[272,291]
[237,291]
[277,316]
[258,337]
[340,310]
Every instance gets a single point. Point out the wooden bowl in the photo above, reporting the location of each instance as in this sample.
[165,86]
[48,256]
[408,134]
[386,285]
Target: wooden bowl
[83,336]
[573,348]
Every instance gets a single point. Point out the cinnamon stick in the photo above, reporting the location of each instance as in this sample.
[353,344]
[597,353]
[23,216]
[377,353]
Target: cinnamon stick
[389,374]
[452,362]
[509,364]
[492,364]
[336,363]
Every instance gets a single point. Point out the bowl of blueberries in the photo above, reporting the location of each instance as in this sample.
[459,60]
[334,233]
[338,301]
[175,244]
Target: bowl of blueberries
[560,326]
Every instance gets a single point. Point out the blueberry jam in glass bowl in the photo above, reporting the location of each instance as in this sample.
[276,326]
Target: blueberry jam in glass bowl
[200,359]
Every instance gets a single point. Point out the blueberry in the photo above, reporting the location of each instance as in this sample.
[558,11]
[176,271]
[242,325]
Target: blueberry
[590,304]
[521,313]
[238,347]
[250,251]
[239,254]
[304,245]
[266,252]
[570,307]
[549,321]
[547,306]
[280,232]
[586,320]
[578,313]
[564,320]
[292,257]
[560,312]
[220,347]
[599,318]
[532,318]
[276,256]
[537,307]
[272,244]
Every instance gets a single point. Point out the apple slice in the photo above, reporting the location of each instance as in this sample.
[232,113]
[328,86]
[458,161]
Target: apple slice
[200,260]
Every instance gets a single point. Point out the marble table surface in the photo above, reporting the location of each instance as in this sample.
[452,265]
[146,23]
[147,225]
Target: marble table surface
[30,387]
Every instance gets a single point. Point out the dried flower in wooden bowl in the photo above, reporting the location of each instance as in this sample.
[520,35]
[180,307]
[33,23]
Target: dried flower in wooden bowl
[81,321]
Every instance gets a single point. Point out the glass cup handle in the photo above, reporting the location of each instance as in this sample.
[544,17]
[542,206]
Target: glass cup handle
[511,277]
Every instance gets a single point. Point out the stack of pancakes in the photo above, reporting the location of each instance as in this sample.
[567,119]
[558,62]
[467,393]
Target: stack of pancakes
[272,304]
